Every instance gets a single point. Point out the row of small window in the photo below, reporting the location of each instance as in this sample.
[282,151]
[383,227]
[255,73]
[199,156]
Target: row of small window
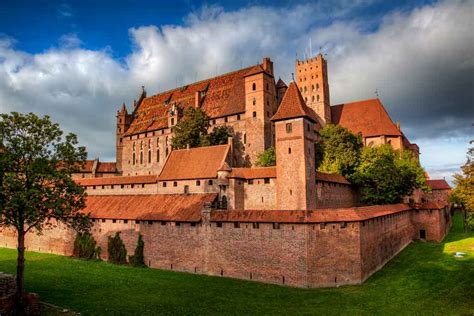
[149,144]
[265,180]
[313,88]
[148,134]
[122,186]
[310,68]
[125,221]
[226,119]
[256,225]
[135,161]
[254,86]
[198,183]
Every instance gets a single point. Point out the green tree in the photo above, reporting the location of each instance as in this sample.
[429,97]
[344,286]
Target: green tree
[138,259]
[463,193]
[218,136]
[338,150]
[190,129]
[385,175]
[267,158]
[85,246]
[37,191]
[116,249]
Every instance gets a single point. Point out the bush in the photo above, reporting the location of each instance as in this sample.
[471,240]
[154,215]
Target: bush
[86,247]
[117,250]
[137,260]
[267,158]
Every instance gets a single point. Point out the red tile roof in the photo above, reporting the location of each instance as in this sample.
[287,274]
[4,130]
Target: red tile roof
[194,163]
[353,214]
[331,177]
[161,207]
[87,167]
[293,106]
[367,117]
[438,184]
[431,205]
[117,180]
[224,96]
[106,167]
[253,173]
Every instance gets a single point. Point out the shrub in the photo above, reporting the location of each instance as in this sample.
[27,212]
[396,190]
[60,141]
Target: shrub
[267,158]
[86,247]
[137,260]
[117,250]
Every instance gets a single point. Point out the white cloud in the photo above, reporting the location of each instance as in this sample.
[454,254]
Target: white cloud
[421,63]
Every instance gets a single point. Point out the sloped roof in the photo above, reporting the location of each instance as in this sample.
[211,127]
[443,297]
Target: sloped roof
[224,95]
[162,207]
[253,173]
[293,106]
[281,84]
[367,117]
[117,180]
[87,166]
[438,184]
[106,167]
[353,214]
[331,177]
[194,163]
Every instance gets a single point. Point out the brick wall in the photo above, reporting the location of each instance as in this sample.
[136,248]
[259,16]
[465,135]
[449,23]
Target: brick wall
[332,194]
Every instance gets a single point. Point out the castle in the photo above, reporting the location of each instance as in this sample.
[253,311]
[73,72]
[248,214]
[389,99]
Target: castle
[209,210]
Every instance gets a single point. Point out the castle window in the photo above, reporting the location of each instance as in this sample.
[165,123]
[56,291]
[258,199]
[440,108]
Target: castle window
[245,138]
[238,116]
[157,155]
[225,119]
[291,192]
[141,157]
[289,128]
[186,189]
[256,225]
[276,225]
[141,145]
[149,156]
[236,225]
[317,86]
[301,90]
[266,180]
[175,184]
[133,146]
[254,114]
[305,88]
[250,181]
[322,226]
[132,186]
[254,86]
[312,87]
[125,221]
[103,220]
[198,183]
[172,121]
[289,150]
[317,97]
[163,223]
[167,151]
[254,101]
[312,98]
[343,225]
[121,140]
[164,184]
[213,122]
[219,224]
[210,182]
[112,186]
[114,221]
[93,187]
[143,185]
[305,99]
[122,186]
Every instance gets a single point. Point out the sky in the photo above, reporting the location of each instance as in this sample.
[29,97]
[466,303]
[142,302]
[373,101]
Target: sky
[78,61]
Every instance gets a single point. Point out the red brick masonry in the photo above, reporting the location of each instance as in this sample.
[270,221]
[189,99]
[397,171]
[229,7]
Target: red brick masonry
[321,248]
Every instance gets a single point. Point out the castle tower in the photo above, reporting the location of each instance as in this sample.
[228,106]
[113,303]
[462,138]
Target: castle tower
[123,122]
[295,152]
[281,89]
[260,105]
[312,80]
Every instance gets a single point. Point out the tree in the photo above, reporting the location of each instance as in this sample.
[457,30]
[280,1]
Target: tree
[385,175]
[138,259]
[267,158]
[463,193]
[338,150]
[116,249]
[85,246]
[192,130]
[37,191]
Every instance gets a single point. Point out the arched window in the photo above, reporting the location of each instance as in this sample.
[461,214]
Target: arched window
[317,86]
[167,151]
[149,143]
[245,138]
[254,86]
[133,158]
[301,89]
[305,89]
[149,156]
[312,87]
[312,98]
[254,101]
[305,99]
[141,145]
[133,146]
[158,155]
[141,157]
[317,97]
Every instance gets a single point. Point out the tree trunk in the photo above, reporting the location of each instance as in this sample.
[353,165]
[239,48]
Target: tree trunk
[20,268]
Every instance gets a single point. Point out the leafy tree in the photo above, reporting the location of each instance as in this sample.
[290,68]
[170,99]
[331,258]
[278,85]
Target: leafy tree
[192,130]
[338,150]
[37,191]
[385,175]
[267,158]
[463,193]
[138,260]
[85,246]
[116,249]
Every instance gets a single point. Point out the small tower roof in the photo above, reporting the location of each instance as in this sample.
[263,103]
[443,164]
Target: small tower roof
[293,106]
[281,84]
[124,109]
[225,167]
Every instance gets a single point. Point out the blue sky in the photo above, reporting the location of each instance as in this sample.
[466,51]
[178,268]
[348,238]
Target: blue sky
[77,61]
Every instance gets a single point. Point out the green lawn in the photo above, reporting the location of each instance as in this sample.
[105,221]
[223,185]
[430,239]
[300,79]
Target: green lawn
[424,279]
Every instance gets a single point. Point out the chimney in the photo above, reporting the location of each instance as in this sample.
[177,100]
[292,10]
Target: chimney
[197,99]
[267,65]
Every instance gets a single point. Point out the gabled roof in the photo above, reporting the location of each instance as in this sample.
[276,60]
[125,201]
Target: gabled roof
[367,117]
[293,106]
[221,96]
[194,163]
[106,167]
[353,214]
[162,207]
[438,184]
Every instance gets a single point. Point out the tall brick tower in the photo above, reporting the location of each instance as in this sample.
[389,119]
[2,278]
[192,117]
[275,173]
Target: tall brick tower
[312,80]
[123,122]
[295,152]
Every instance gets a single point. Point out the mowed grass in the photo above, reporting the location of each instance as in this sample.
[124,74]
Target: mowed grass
[425,278]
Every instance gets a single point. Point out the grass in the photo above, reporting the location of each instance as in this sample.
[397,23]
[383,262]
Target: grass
[425,278]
